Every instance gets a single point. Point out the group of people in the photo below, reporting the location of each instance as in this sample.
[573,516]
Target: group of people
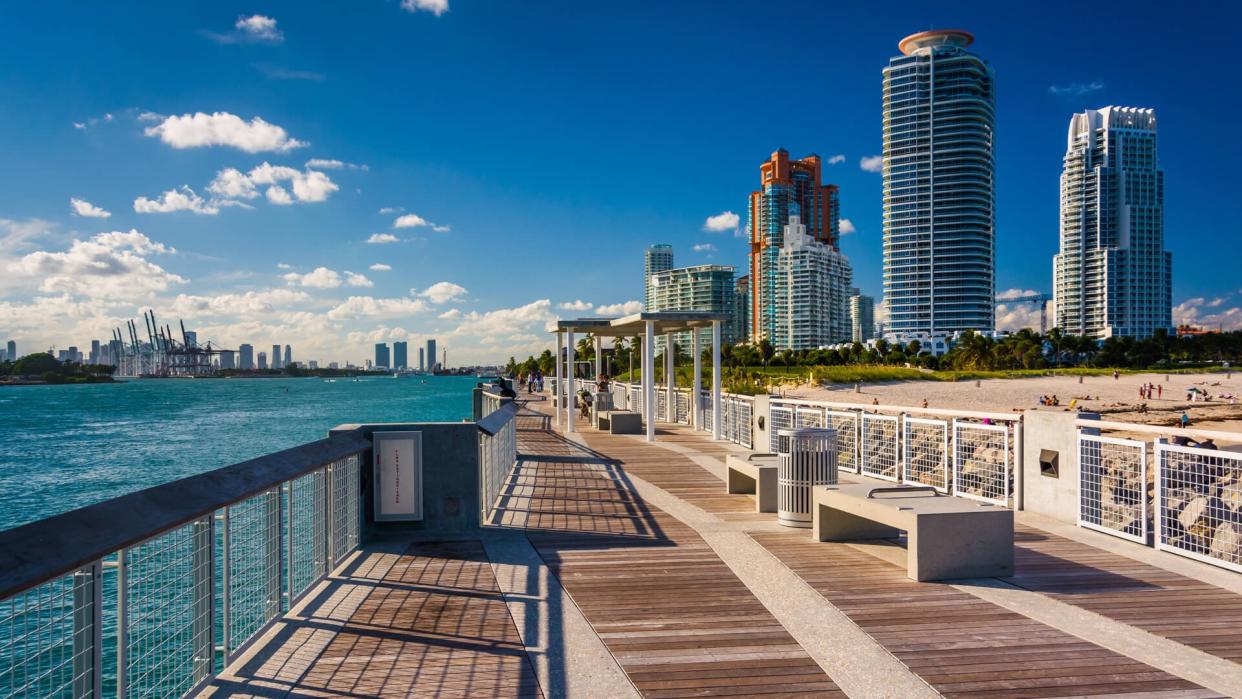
[1147,390]
[1049,400]
[532,381]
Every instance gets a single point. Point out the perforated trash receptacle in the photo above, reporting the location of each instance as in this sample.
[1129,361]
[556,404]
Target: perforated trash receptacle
[806,457]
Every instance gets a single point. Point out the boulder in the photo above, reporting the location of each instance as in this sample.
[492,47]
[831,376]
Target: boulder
[1227,543]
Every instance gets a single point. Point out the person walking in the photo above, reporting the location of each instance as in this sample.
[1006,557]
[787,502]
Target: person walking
[1160,390]
[1185,420]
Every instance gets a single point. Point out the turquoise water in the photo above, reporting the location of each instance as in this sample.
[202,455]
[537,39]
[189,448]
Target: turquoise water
[63,447]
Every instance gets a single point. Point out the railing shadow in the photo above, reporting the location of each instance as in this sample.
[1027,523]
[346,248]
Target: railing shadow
[1042,572]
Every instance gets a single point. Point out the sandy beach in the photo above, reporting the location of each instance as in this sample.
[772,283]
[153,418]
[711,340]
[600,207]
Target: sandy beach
[1116,399]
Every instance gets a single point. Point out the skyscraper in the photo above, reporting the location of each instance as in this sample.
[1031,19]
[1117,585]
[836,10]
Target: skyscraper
[658,258]
[812,292]
[787,188]
[400,355]
[12,351]
[422,363]
[741,308]
[263,360]
[431,356]
[276,364]
[697,288]
[191,338]
[862,316]
[1112,277]
[227,360]
[288,356]
[95,352]
[939,232]
[245,359]
[381,355]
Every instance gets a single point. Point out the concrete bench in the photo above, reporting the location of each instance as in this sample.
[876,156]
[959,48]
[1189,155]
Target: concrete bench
[619,422]
[947,537]
[754,474]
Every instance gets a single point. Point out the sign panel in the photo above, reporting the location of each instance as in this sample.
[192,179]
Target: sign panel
[398,476]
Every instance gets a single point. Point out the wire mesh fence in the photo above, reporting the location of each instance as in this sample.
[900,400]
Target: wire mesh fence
[682,412]
[808,416]
[780,417]
[981,463]
[253,558]
[879,452]
[49,638]
[845,425]
[1114,489]
[307,537]
[925,448]
[1199,504]
[497,455]
[705,411]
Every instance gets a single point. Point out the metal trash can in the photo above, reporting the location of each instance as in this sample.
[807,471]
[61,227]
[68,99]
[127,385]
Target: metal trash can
[806,457]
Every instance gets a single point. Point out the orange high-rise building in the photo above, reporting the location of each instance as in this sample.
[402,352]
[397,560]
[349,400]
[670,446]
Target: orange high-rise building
[787,188]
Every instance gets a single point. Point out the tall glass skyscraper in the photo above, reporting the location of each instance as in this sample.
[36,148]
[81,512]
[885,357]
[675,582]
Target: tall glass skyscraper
[939,234]
[658,258]
[400,355]
[1112,276]
[382,360]
[788,188]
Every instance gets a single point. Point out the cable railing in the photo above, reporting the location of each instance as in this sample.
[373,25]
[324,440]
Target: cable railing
[151,594]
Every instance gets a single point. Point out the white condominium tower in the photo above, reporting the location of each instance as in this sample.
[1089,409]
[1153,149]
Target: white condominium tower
[1112,276]
[812,288]
[697,288]
[658,258]
[939,235]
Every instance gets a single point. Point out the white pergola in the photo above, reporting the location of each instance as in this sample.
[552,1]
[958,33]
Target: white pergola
[647,325]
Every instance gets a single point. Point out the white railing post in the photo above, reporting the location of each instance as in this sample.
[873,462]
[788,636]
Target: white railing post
[560,383]
[696,381]
[716,417]
[122,624]
[670,401]
[649,379]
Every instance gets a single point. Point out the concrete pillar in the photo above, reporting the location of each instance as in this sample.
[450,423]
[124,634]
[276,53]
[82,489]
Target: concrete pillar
[669,396]
[598,363]
[569,382]
[649,379]
[716,405]
[696,382]
[560,383]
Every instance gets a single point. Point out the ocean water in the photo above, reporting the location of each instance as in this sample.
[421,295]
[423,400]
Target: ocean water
[63,447]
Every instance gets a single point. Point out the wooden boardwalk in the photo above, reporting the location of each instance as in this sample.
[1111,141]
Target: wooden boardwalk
[429,618]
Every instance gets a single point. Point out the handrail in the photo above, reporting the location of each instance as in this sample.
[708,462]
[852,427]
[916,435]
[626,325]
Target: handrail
[951,412]
[37,552]
[1159,430]
[493,422]
[902,489]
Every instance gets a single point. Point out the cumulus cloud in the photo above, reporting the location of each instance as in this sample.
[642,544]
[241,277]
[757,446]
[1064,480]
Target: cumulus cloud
[578,305]
[222,129]
[704,247]
[381,267]
[391,210]
[280,73]
[450,314]
[847,227]
[107,265]
[283,265]
[839,158]
[382,239]
[369,307]
[506,322]
[247,303]
[319,278]
[724,221]
[181,199]
[306,185]
[82,207]
[620,309]
[1016,316]
[1076,89]
[1010,294]
[410,221]
[442,292]
[1201,312]
[359,280]
[255,29]
[872,163]
[441,229]
[329,164]
[435,7]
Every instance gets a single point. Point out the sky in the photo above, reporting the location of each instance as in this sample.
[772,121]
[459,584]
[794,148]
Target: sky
[331,175]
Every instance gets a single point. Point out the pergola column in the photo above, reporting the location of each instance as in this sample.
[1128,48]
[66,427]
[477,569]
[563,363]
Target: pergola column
[649,378]
[558,400]
[569,370]
[598,363]
[669,405]
[696,381]
[716,380]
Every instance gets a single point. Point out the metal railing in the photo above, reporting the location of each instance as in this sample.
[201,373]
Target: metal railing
[1112,486]
[1199,504]
[497,456]
[186,573]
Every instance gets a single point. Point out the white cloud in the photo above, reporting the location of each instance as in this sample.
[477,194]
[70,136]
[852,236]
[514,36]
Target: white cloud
[329,164]
[382,238]
[442,292]
[435,7]
[441,229]
[847,227]
[319,278]
[506,322]
[1193,312]
[450,314]
[248,303]
[307,185]
[410,221]
[1216,302]
[872,163]
[839,158]
[369,307]
[181,199]
[283,265]
[259,28]
[1017,316]
[1076,89]
[222,129]
[620,309]
[724,221]
[275,72]
[391,209]
[1010,294]
[578,305]
[82,207]
[381,267]
[355,279]
[704,247]
[107,265]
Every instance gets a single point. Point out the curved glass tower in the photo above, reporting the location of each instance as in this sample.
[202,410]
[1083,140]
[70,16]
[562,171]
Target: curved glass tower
[939,235]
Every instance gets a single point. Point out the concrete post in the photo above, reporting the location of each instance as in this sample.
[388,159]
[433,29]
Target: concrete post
[696,381]
[716,405]
[569,380]
[669,397]
[560,382]
[649,379]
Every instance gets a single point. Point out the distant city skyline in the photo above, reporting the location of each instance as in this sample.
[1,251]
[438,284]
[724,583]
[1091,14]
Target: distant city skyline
[358,206]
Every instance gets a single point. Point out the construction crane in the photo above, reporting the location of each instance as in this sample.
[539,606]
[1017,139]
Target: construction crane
[1042,300]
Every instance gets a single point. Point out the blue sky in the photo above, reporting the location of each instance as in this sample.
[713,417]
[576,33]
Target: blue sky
[540,146]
